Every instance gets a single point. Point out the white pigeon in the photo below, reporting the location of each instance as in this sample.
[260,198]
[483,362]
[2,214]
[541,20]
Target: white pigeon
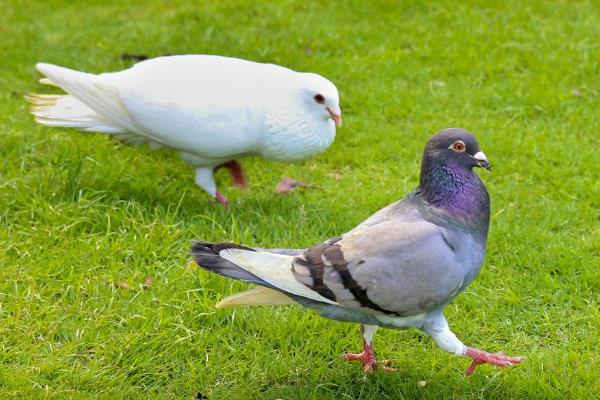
[213,110]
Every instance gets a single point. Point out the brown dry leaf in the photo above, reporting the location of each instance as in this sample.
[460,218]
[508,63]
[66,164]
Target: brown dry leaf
[337,175]
[122,285]
[147,283]
[287,185]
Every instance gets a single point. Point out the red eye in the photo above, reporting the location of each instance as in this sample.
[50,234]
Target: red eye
[319,98]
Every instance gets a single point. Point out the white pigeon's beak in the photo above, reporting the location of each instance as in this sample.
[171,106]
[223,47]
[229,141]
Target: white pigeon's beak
[336,115]
[482,160]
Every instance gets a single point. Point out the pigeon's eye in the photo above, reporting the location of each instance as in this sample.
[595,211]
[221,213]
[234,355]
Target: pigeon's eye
[459,146]
[319,98]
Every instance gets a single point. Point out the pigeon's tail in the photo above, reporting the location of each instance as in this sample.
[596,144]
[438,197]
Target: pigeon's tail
[68,112]
[258,296]
[207,256]
[273,270]
[93,104]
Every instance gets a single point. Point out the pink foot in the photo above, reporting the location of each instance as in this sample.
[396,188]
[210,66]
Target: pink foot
[367,357]
[236,171]
[287,185]
[222,199]
[483,357]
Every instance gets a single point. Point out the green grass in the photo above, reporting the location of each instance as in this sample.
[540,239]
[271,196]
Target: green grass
[79,212]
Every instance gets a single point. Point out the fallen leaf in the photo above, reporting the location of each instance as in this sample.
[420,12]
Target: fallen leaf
[122,285]
[147,283]
[337,175]
[287,185]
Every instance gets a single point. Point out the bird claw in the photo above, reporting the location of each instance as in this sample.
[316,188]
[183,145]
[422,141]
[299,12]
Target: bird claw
[483,357]
[222,199]
[367,357]
[287,185]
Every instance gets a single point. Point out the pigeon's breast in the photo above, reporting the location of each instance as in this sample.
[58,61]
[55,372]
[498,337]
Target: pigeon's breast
[296,139]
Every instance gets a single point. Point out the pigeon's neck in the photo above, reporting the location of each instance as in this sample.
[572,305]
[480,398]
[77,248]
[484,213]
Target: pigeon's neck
[457,191]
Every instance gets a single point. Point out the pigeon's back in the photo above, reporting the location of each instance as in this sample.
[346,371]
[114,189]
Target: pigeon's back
[210,104]
[407,264]
[201,80]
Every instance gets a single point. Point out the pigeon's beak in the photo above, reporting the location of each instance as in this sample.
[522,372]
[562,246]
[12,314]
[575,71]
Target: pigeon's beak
[336,116]
[482,160]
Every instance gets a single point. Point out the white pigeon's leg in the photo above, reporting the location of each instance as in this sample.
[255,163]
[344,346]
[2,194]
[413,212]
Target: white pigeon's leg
[438,329]
[236,171]
[206,180]
[204,175]
[367,357]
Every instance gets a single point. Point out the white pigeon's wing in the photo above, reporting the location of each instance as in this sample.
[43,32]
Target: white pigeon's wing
[208,105]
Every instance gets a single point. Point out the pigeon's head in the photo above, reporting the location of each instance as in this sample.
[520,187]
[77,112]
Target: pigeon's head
[321,97]
[456,147]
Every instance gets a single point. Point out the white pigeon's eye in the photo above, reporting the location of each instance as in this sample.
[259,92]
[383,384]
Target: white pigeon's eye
[319,98]
[459,146]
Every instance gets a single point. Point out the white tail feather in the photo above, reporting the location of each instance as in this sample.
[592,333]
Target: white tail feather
[88,89]
[92,105]
[258,296]
[46,81]
[69,112]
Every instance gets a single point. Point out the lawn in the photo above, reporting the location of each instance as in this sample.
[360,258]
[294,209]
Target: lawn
[85,220]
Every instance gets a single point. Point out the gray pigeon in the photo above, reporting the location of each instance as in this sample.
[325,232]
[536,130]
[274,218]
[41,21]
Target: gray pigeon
[398,269]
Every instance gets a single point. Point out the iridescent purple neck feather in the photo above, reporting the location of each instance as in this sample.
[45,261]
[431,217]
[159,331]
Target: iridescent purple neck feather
[457,191]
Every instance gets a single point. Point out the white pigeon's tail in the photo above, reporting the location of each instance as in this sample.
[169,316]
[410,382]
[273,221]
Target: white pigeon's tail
[68,110]
[93,104]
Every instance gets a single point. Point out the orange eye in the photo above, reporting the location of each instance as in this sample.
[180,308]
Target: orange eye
[319,98]
[459,146]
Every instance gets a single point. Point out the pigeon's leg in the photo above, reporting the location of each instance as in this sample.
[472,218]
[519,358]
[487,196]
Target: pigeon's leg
[483,357]
[443,336]
[367,357]
[205,179]
[236,171]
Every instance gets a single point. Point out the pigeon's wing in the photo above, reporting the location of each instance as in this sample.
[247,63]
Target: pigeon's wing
[211,105]
[397,263]
[394,263]
[271,270]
